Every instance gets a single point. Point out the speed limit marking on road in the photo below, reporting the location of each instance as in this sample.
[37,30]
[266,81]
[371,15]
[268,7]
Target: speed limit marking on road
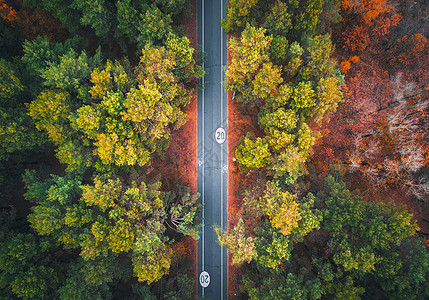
[204,279]
[220,135]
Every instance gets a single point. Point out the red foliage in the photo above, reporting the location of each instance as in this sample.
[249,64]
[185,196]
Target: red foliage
[365,10]
[31,22]
[386,138]
[355,38]
[7,13]
[36,22]
[363,22]
[409,51]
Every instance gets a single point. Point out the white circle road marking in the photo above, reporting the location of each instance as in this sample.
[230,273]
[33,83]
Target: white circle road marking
[204,279]
[220,135]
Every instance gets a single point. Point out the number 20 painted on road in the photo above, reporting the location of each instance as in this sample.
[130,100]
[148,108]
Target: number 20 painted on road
[220,135]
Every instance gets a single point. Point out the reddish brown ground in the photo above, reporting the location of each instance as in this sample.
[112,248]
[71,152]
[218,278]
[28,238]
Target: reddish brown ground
[179,165]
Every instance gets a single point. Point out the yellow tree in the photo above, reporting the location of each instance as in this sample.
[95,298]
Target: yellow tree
[247,54]
[240,12]
[281,207]
[241,247]
[50,110]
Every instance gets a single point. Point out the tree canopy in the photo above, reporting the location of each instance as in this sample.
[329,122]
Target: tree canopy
[91,92]
[353,249]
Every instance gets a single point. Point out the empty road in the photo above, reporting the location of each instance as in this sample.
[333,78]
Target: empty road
[212,160]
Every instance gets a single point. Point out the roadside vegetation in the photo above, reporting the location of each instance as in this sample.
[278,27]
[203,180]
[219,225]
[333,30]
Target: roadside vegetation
[331,194]
[92,94]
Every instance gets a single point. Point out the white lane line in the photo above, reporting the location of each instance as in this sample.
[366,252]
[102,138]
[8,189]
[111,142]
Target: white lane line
[203,147]
[221,148]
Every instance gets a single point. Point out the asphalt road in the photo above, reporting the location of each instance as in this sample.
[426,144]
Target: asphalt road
[212,161]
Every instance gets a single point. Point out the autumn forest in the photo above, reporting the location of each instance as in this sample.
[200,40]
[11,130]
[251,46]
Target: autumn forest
[328,113]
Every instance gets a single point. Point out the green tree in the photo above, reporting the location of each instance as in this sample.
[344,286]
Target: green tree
[75,155]
[184,209]
[26,267]
[186,69]
[123,23]
[294,55]
[71,72]
[279,49]
[278,22]
[107,218]
[90,279]
[153,26]
[97,14]
[239,14]
[128,18]
[10,41]
[39,53]
[362,240]
[282,285]
[184,288]
[349,215]
[306,20]
[272,246]
[406,274]
[320,63]
[10,85]
[18,133]
[247,54]
[305,16]
[143,292]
